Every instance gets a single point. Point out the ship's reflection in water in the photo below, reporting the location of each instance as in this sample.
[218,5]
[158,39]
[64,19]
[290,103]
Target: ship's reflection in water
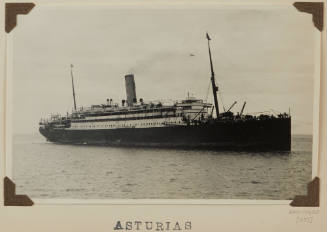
[47,170]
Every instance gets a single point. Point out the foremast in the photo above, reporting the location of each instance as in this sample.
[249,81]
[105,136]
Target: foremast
[213,83]
[71,73]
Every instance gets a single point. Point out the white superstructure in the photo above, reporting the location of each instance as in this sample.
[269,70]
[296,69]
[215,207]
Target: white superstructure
[139,116]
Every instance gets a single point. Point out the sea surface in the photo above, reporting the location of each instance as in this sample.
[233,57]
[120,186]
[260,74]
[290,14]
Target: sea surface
[45,170]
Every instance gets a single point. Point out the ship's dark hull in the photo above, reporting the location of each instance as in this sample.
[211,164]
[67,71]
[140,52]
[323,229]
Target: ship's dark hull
[268,134]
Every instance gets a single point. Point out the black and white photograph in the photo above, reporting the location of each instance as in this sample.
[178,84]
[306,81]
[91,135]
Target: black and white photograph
[163,101]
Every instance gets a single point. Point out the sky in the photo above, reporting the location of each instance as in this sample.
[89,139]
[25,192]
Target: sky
[264,56]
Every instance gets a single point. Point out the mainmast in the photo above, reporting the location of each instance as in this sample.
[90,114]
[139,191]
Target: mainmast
[71,73]
[214,87]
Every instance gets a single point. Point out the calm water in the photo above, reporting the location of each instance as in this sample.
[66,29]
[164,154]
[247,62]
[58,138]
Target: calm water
[46,170]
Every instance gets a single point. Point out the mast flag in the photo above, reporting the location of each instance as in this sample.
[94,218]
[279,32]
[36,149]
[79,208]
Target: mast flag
[213,83]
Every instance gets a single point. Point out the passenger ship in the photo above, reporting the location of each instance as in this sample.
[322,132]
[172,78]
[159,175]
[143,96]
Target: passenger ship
[189,123]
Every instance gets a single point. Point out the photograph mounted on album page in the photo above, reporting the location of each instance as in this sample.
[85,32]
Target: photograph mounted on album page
[163,103]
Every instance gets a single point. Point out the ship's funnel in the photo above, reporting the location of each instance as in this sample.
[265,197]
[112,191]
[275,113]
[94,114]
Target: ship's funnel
[130,89]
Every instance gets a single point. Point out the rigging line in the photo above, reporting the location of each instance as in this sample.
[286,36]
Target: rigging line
[220,94]
[198,114]
[208,90]
[275,111]
[267,111]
